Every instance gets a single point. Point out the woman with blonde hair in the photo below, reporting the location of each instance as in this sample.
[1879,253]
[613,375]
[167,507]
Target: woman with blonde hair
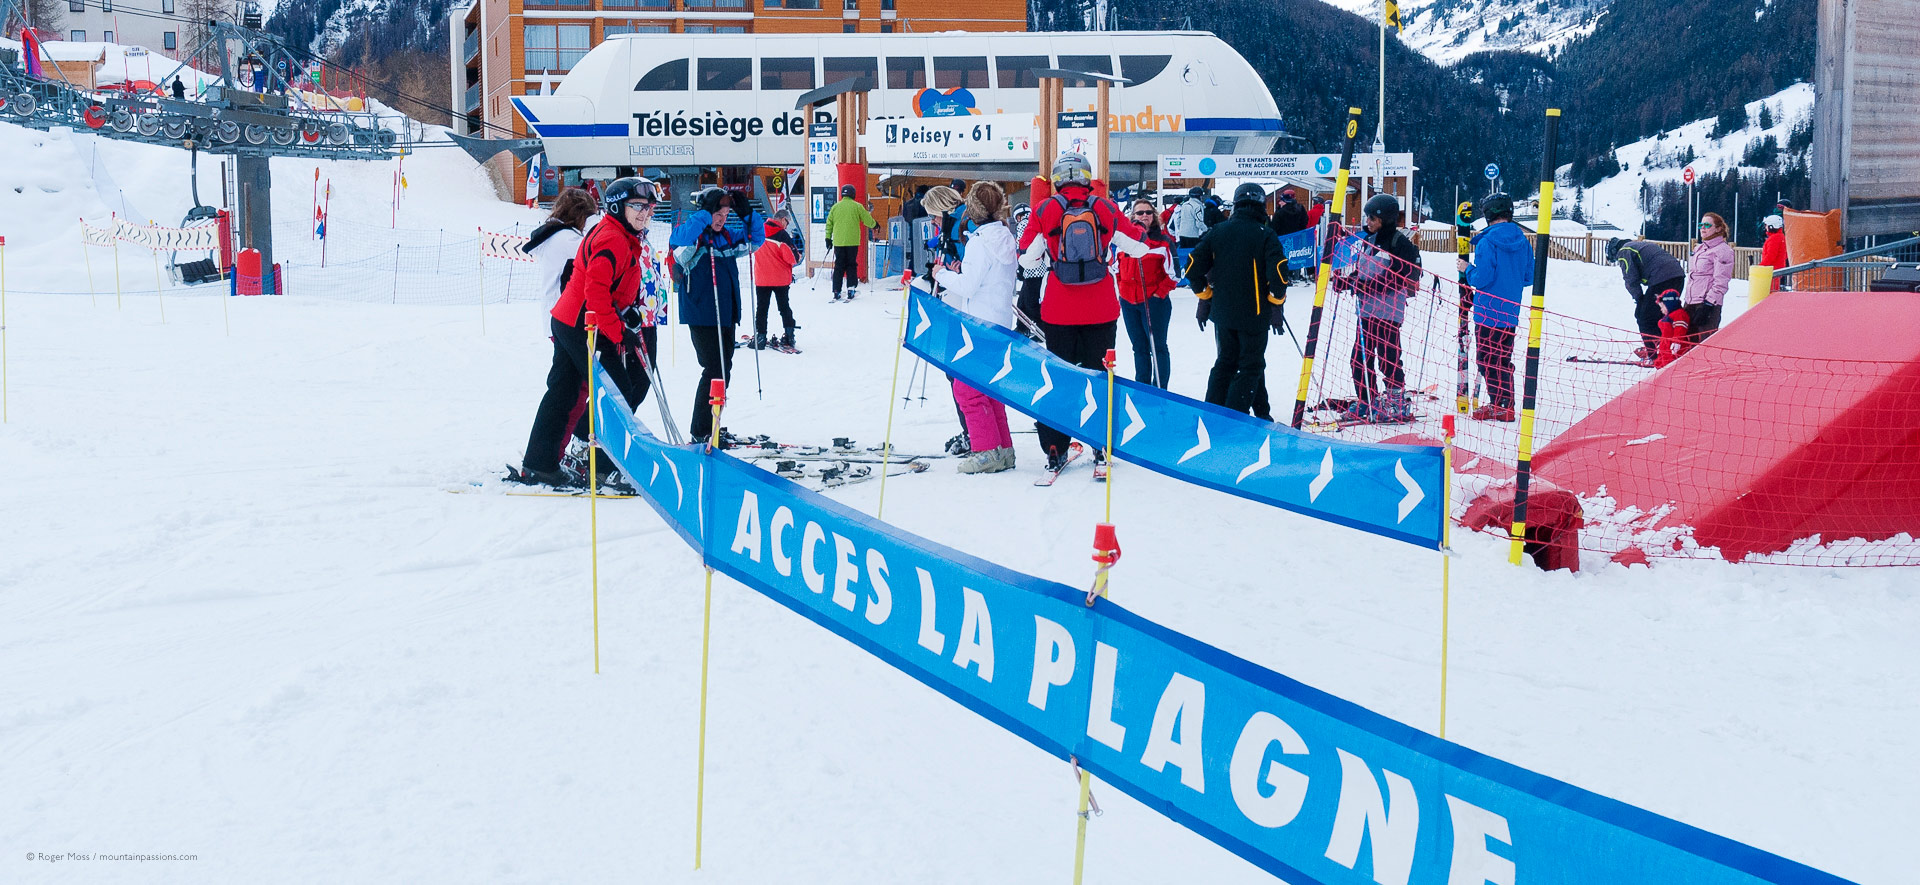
[985,291]
[1708,274]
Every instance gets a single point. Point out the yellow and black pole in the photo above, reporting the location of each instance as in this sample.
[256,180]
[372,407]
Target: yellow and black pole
[1536,313]
[1326,264]
[717,395]
[593,474]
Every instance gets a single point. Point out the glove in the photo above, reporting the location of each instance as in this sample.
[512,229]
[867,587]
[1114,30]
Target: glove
[1206,310]
[1278,320]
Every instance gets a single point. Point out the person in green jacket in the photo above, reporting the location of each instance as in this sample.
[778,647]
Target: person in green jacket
[846,230]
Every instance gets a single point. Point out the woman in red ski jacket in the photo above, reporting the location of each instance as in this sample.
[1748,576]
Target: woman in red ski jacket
[612,270]
[1145,305]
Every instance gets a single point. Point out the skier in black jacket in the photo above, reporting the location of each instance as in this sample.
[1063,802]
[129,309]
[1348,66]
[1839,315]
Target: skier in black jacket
[1289,217]
[1240,273]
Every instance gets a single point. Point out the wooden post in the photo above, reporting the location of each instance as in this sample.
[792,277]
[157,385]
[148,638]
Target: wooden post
[1100,133]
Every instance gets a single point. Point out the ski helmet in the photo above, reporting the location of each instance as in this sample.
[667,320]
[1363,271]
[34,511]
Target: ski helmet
[712,199]
[1613,248]
[846,191]
[1495,206]
[1384,207]
[1773,222]
[1196,192]
[614,198]
[1249,193]
[1071,168]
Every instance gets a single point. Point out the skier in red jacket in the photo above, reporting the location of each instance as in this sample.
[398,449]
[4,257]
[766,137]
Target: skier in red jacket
[1145,303]
[1076,230]
[608,270]
[1773,252]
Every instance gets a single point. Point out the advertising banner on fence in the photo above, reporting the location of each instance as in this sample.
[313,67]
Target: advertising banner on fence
[1393,491]
[499,245]
[205,238]
[1304,785]
[973,139]
[1280,165]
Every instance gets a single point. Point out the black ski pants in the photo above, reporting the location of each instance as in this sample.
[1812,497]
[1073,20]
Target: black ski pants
[1377,347]
[1239,367]
[567,378]
[1493,350]
[713,347]
[1083,346]
[846,267]
[764,294]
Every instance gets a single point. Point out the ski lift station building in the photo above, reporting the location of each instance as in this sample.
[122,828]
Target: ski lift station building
[679,102]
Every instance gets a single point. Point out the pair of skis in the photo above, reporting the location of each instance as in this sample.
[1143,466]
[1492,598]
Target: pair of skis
[1050,476]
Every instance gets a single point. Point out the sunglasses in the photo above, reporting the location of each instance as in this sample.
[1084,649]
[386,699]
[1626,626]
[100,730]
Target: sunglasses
[1143,213]
[1706,224]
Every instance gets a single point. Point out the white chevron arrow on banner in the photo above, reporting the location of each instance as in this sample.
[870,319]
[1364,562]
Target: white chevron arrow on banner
[966,345]
[1091,407]
[1414,495]
[920,328]
[1006,366]
[1046,385]
[1204,444]
[1319,483]
[1260,463]
[1134,422]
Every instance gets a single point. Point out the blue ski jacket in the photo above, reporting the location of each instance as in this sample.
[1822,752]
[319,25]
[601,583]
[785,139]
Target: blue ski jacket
[1502,267]
[709,259]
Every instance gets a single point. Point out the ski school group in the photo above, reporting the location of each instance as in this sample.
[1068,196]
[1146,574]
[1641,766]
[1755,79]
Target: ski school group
[1064,272]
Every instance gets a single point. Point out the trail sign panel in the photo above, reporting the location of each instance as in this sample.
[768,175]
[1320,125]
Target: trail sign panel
[1493,171]
[1687,176]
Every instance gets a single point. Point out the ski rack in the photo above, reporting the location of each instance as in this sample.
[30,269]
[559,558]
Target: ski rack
[229,119]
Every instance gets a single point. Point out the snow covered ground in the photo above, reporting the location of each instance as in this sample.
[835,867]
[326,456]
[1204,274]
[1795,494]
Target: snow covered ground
[243,618]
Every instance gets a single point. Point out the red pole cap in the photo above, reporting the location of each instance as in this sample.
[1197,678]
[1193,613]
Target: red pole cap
[1446,425]
[717,391]
[1109,361]
[1106,544]
[593,318]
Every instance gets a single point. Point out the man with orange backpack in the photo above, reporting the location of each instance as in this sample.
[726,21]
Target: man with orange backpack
[1076,230]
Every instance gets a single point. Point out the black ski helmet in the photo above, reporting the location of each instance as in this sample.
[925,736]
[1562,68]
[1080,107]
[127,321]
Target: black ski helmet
[614,199]
[1196,192]
[1495,206]
[712,199]
[846,191]
[1385,207]
[1249,193]
[1613,248]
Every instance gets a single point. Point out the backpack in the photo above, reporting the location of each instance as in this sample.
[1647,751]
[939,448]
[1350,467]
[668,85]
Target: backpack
[1189,220]
[1082,250]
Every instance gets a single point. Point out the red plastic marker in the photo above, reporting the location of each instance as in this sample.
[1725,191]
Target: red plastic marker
[1108,362]
[1106,544]
[717,391]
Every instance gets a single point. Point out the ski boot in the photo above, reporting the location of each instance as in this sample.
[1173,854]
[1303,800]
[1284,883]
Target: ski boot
[958,445]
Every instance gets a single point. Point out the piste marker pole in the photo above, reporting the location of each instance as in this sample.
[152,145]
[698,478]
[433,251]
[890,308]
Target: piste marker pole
[1326,264]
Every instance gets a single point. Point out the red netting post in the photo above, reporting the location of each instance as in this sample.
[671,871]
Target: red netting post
[1326,265]
[1536,314]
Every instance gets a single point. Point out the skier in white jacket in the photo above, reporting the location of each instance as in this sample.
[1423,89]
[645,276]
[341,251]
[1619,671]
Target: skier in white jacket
[984,288]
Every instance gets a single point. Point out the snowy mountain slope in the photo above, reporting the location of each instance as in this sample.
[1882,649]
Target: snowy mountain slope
[1662,159]
[1448,30]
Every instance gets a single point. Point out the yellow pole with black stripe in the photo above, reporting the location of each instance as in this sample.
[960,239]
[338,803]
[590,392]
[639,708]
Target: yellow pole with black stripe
[1326,265]
[1536,313]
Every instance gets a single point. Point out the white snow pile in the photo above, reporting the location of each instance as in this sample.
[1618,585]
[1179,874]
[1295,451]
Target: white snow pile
[244,620]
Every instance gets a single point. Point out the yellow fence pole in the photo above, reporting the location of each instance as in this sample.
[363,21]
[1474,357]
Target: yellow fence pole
[116,267]
[886,446]
[1759,284]
[480,251]
[717,395]
[593,475]
[1446,562]
[157,294]
[1537,307]
[1326,265]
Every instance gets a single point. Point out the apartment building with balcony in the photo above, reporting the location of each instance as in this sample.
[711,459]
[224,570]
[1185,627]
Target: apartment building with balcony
[504,48]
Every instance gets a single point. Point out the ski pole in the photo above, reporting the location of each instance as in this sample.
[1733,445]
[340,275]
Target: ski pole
[758,393]
[593,475]
[717,395]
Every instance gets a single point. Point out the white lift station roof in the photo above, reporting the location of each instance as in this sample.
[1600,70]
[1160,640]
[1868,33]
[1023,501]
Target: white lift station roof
[728,99]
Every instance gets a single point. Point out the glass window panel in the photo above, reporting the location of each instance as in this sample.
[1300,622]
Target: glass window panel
[865,71]
[1139,69]
[786,73]
[1092,64]
[950,72]
[1016,71]
[669,76]
[906,73]
[725,74]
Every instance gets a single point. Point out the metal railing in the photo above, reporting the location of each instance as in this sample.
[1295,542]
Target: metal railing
[1854,271]
[1592,249]
[473,98]
[472,45]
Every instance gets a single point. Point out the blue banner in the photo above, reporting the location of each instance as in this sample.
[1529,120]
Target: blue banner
[1300,253]
[1393,491]
[1300,783]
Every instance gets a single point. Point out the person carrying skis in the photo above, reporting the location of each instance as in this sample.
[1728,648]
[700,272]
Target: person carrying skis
[984,289]
[612,269]
[1288,217]
[847,224]
[707,249]
[773,266]
[1239,271]
[1709,273]
[1075,229]
[1386,274]
[1500,267]
[1145,302]
[1654,278]
[1773,252]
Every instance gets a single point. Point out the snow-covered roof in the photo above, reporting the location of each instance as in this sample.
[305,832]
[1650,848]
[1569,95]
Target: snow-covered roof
[61,50]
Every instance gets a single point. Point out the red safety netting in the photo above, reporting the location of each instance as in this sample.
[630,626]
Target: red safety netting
[1792,436]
